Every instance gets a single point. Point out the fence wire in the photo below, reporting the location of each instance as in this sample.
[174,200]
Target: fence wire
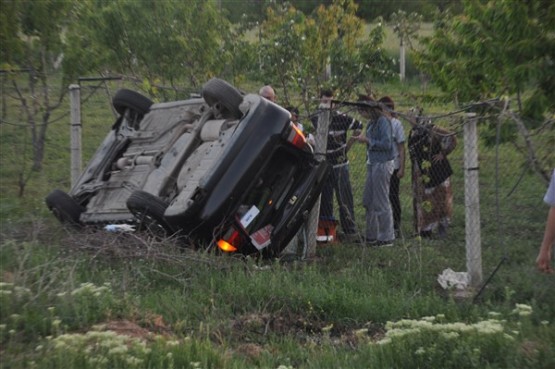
[431,203]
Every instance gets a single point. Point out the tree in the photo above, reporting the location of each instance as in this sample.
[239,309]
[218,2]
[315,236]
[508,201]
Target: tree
[298,48]
[32,40]
[405,27]
[169,42]
[496,48]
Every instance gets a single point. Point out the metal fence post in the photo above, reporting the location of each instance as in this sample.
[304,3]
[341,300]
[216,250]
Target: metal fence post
[75,116]
[320,146]
[472,202]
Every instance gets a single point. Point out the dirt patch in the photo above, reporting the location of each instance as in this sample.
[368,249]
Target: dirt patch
[256,329]
[126,328]
[155,326]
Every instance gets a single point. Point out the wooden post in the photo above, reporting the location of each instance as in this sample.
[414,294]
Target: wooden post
[75,116]
[321,143]
[472,202]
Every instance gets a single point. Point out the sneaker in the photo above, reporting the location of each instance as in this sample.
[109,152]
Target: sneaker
[371,242]
[383,243]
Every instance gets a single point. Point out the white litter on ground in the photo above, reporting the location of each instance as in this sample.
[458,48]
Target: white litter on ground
[450,279]
[119,228]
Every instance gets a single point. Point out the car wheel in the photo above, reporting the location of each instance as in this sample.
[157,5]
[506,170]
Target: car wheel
[217,91]
[64,207]
[149,210]
[127,99]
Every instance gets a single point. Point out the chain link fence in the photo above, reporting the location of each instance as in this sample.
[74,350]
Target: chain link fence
[455,190]
[487,199]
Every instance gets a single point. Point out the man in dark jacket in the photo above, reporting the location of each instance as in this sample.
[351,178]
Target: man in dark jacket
[339,181]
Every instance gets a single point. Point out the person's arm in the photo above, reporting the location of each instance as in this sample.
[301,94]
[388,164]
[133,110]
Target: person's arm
[543,261]
[447,142]
[384,137]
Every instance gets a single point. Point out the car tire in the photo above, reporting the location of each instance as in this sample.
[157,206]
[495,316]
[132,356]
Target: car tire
[127,99]
[217,91]
[64,207]
[149,210]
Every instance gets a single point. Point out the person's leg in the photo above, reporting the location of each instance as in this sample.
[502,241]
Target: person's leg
[367,201]
[395,201]
[326,199]
[345,199]
[446,202]
[381,204]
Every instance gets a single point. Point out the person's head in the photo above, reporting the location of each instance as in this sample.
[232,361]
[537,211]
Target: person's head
[372,111]
[326,96]
[388,102]
[268,93]
[294,113]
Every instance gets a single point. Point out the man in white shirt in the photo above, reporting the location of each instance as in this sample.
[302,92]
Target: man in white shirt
[399,171]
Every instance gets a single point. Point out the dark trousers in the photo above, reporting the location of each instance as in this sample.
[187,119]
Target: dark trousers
[339,182]
[394,183]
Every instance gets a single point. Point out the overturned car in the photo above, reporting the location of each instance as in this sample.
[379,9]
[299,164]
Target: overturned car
[224,169]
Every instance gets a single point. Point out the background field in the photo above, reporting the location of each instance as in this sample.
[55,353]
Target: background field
[90,299]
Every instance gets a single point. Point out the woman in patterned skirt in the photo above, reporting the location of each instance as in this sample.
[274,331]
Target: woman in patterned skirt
[429,147]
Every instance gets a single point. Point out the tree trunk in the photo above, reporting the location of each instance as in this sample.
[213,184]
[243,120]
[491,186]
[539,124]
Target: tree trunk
[402,60]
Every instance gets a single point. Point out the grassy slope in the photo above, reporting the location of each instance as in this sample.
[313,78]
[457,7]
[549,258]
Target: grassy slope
[305,315]
[278,309]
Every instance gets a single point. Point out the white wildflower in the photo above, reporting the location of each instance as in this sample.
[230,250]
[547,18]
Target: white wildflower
[420,351]
[118,350]
[489,327]
[384,341]
[450,335]
[522,310]
[361,332]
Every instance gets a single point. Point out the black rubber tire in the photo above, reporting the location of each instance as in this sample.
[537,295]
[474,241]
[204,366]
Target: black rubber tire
[218,91]
[149,210]
[64,207]
[127,99]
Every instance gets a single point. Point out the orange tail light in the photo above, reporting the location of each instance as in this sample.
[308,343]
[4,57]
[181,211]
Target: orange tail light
[228,246]
[296,137]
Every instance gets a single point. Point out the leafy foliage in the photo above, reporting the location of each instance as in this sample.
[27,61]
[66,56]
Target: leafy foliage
[164,42]
[300,50]
[494,48]
[500,48]
[32,42]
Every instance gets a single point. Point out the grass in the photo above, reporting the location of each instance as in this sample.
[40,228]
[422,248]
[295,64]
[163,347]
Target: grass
[97,300]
